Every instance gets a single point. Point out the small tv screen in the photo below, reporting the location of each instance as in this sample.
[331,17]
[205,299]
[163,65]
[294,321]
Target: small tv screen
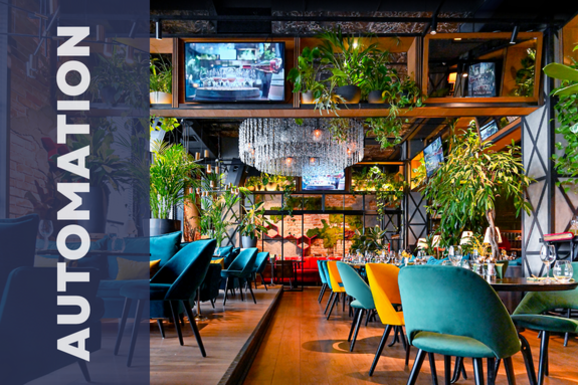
[234,72]
[488,130]
[324,182]
[433,156]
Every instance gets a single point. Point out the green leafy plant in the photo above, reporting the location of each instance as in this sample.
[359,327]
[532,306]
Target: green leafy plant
[566,114]
[163,124]
[463,190]
[253,220]
[525,75]
[304,76]
[329,234]
[377,76]
[161,76]
[419,177]
[172,169]
[389,189]
[372,240]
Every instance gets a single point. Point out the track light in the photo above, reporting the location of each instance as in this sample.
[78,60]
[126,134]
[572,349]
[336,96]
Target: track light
[434,24]
[159,30]
[514,35]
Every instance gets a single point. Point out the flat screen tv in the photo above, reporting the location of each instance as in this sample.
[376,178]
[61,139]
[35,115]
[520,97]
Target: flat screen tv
[433,156]
[324,182]
[488,129]
[235,72]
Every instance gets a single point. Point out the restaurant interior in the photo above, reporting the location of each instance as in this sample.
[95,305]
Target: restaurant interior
[342,192]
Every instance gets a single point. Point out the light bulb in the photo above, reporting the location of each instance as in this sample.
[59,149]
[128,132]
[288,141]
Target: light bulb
[317,135]
[348,151]
[206,153]
[212,184]
[197,155]
[289,161]
[216,169]
[198,190]
[209,169]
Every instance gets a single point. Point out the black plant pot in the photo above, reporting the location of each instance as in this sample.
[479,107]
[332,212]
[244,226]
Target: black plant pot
[248,242]
[96,201]
[349,94]
[163,226]
[375,97]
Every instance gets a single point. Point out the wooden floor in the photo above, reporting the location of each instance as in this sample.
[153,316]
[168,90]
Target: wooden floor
[302,347]
[224,335]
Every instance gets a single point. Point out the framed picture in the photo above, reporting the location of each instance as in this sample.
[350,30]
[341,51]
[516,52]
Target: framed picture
[482,80]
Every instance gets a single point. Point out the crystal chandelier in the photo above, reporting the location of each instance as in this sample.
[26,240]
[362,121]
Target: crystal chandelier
[283,147]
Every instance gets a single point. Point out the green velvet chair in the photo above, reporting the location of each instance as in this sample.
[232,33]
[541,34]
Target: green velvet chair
[356,287]
[323,279]
[241,269]
[454,312]
[259,267]
[529,315]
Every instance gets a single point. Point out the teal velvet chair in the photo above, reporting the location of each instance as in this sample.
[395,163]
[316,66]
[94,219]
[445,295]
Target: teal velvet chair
[323,279]
[176,283]
[326,273]
[454,312]
[259,267]
[529,315]
[241,269]
[209,290]
[356,287]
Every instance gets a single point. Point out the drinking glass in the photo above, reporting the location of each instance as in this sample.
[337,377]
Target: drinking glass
[563,271]
[117,244]
[546,259]
[455,255]
[45,229]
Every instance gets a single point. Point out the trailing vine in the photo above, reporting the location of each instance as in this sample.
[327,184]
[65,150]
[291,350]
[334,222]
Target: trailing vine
[388,188]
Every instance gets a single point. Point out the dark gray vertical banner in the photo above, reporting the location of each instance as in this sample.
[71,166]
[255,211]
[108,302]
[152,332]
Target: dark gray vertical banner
[74,163]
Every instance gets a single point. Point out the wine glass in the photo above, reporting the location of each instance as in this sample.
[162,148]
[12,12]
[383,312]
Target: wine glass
[455,255]
[45,229]
[546,259]
[551,256]
[563,271]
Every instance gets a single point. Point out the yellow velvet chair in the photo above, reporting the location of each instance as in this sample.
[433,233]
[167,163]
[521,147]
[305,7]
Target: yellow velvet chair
[385,290]
[337,287]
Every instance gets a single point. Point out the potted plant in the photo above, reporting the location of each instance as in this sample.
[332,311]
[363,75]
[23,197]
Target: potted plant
[372,240]
[304,76]
[161,81]
[253,220]
[377,77]
[172,169]
[214,219]
[463,190]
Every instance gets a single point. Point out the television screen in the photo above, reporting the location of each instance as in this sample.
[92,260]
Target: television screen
[433,156]
[482,80]
[324,182]
[234,72]
[488,130]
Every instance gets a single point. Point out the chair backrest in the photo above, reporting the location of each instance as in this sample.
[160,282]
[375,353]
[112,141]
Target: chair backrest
[334,277]
[539,302]
[244,261]
[355,286]
[261,262]
[187,269]
[321,272]
[326,273]
[456,301]
[17,238]
[385,291]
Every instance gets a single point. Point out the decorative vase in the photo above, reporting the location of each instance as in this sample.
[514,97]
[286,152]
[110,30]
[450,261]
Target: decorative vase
[375,97]
[271,186]
[158,97]
[349,94]
[307,97]
[163,226]
[248,242]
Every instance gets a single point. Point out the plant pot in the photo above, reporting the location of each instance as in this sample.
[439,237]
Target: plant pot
[160,98]
[271,186]
[375,97]
[163,226]
[349,94]
[96,201]
[248,242]
[307,97]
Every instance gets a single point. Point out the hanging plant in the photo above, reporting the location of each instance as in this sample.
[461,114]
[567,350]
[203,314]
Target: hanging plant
[389,189]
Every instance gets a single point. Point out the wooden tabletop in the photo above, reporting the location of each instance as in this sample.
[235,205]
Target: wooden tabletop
[523,284]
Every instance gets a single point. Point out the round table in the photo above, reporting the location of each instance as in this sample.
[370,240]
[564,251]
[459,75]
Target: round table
[525,284]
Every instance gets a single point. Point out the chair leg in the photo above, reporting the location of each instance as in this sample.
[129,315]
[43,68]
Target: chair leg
[329,302]
[265,285]
[367,319]
[174,308]
[492,370]
[542,368]
[416,367]
[241,289]
[509,371]
[133,338]
[226,288]
[402,336]
[161,328]
[320,293]
[343,296]
[84,370]
[357,311]
[479,371]
[251,291]
[380,349]
[432,365]
[448,370]
[195,328]
[528,360]
[125,310]
[335,300]
[568,315]
[459,364]
[395,337]
[213,303]
[407,351]
[356,329]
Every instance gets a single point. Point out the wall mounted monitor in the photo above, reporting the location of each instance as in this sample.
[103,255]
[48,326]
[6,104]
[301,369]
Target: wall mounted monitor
[235,72]
[433,156]
[324,183]
[488,129]
[482,80]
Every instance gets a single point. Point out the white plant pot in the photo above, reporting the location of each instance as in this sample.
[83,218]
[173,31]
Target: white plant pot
[161,98]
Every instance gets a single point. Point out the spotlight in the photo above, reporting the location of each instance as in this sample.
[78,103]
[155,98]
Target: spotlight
[197,156]
[434,24]
[159,30]
[514,35]
[317,135]
[206,153]
[209,170]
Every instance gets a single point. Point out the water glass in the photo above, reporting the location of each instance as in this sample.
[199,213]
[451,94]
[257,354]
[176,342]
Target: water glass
[547,256]
[455,255]
[563,271]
